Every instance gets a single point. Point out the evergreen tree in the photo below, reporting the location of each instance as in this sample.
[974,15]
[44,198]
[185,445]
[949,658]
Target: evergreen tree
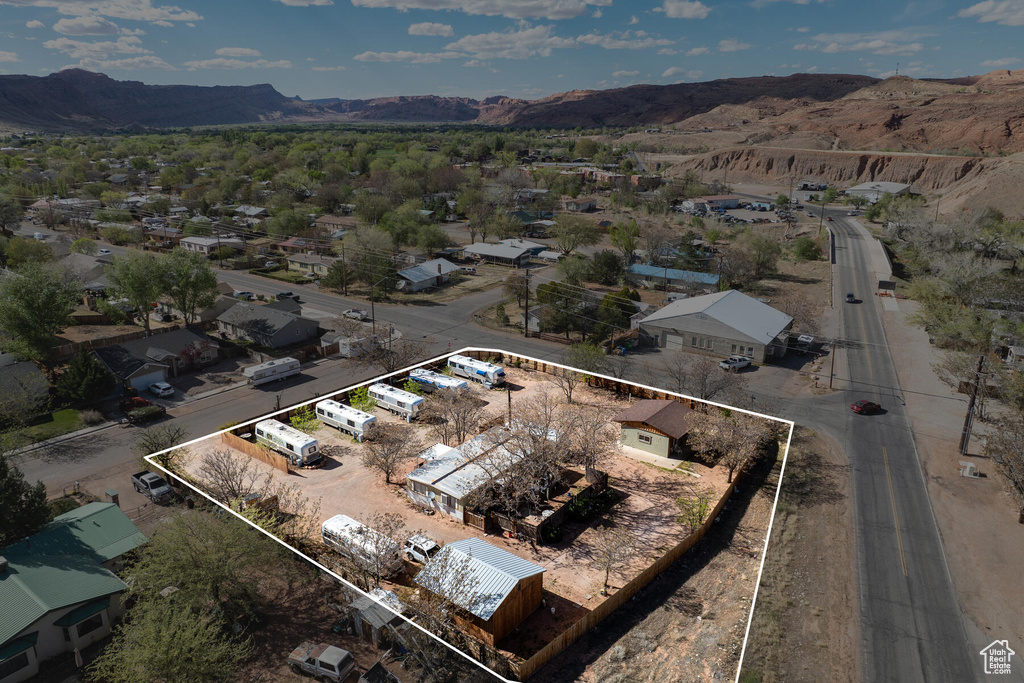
[24,505]
[86,379]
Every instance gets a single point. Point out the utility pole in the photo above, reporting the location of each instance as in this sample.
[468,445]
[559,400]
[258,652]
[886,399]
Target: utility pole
[832,369]
[344,271]
[508,390]
[526,315]
[965,435]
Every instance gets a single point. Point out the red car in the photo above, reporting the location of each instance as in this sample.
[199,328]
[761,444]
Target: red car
[865,407]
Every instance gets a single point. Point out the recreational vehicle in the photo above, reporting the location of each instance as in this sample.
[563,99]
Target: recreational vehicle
[488,374]
[345,418]
[431,381]
[368,548]
[278,369]
[397,401]
[302,449]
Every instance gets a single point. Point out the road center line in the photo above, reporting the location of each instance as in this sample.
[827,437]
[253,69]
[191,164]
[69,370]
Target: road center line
[895,515]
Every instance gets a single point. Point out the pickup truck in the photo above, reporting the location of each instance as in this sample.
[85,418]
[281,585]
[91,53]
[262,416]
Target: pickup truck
[734,363]
[152,486]
[323,662]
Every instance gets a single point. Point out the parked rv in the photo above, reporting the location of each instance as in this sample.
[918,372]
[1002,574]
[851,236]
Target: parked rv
[399,402]
[488,374]
[346,418]
[276,369]
[362,545]
[300,448]
[431,381]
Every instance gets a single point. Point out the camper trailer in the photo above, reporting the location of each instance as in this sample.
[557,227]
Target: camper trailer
[345,418]
[488,374]
[399,402]
[367,548]
[302,449]
[431,381]
[278,369]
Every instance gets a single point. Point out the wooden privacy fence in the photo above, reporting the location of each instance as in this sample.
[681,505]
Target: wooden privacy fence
[524,670]
[255,450]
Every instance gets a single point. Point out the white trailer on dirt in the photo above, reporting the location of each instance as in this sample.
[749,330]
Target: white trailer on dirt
[488,374]
[300,448]
[368,548]
[346,418]
[399,402]
[276,369]
[431,381]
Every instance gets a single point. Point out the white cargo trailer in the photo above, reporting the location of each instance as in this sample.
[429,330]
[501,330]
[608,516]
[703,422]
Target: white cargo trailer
[399,402]
[346,418]
[432,381]
[276,369]
[488,374]
[300,448]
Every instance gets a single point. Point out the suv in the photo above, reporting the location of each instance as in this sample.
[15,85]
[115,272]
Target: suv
[851,298]
[287,295]
[419,548]
[323,662]
[734,363]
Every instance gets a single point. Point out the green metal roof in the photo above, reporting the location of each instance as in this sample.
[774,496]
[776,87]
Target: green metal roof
[33,586]
[99,530]
[82,613]
[18,645]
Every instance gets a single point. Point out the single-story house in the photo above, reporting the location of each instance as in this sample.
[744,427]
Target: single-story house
[266,326]
[673,276]
[433,273]
[580,204]
[533,318]
[181,350]
[296,245]
[723,323]
[209,245]
[220,304]
[331,223]
[508,588]
[118,179]
[311,263]
[645,182]
[504,255]
[720,201]
[655,426]
[516,243]
[133,372]
[548,255]
[539,228]
[1015,358]
[58,590]
[874,191]
[251,211]
[170,236]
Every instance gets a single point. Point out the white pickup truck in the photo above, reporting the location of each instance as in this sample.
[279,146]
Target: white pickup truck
[321,661]
[734,363]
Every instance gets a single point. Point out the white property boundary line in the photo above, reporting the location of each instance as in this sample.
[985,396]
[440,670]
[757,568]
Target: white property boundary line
[436,359]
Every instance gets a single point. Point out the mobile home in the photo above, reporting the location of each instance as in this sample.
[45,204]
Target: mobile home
[432,381]
[399,402]
[368,548]
[346,418]
[302,449]
[488,374]
[278,369]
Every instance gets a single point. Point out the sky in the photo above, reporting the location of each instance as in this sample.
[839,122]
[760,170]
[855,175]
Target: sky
[521,48]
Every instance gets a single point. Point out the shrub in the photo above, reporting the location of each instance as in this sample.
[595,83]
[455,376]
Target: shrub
[360,399]
[806,249]
[551,534]
[227,425]
[413,387]
[61,505]
[500,314]
[304,419]
[91,417]
[144,414]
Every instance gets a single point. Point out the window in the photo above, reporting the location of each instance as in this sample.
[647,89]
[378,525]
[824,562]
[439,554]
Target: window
[711,344]
[448,501]
[419,487]
[320,411]
[351,423]
[15,663]
[644,438]
[733,349]
[91,624]
[693,341]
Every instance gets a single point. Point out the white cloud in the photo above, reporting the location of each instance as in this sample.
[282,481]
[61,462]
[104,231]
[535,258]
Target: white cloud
[625,40]
[227,63]
[237,52]
[633,20]
[164,23]
[126,64]
[761,3]
[886,43]
[305,3]
[78,49]
[132,32]
[732,45]
[428,28]
[693,52]
[675,71]
[130,10]
[667,51]
[9,57]
[597,14]
[513,9]
[625,74]
[1005,12]
[684,9]
[524,43]
[1000,63]
[86,25]
[329,68]
[35,23]
[406,56]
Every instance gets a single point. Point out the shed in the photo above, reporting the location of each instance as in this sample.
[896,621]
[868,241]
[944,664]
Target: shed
[655,426]
[372,614]
[673,276]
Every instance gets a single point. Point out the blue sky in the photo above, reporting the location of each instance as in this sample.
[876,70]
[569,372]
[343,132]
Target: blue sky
[522,48]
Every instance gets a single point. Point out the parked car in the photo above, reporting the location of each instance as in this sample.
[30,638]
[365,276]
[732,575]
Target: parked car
[734,363]
[467,270]
[38,236]
[271,264]
[287,295]
[828,218]
[863,407]
[323,662]
[104,252]
[248,296]
[419,548]
[152,486]
[161,389]
[356,314]
[851,298]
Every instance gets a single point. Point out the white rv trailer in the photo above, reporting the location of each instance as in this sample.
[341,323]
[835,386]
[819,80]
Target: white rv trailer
[397,401]
[345,418]
[488,374]
[279,368]
[362,545]
[302,449]
[432,381]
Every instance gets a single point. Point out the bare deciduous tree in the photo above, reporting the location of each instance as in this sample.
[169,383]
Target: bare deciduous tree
[700,377]
[229,477]
[382,545]
[156,439]
[1008,444]
[389,356]
[614,547]
[567,380]
[733,439]
[452,415]
[590,434]
[387,446]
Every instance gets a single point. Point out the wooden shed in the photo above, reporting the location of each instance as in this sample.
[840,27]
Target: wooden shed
[655,426]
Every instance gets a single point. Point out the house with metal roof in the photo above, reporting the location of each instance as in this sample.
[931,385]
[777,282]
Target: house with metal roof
[505,588]
[501,254]
[433,273]
[723,323]
[873,191]
[210,245]
[57,590]
[672,276]
[655,426]
[266,326]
